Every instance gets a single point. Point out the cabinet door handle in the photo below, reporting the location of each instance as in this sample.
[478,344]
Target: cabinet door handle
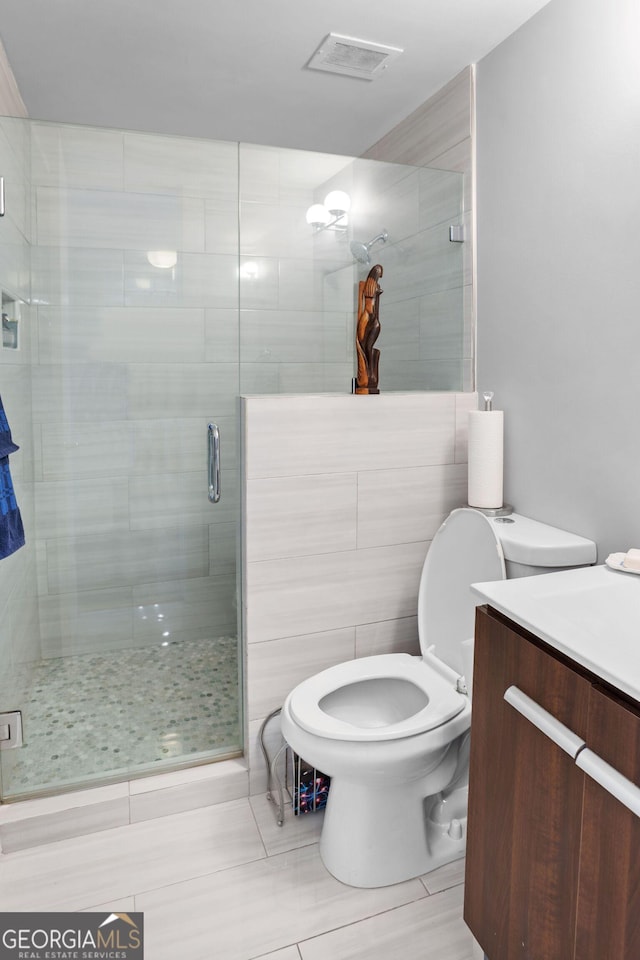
[565,738]
[608,777]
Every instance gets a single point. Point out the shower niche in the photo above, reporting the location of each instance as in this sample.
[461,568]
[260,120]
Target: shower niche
[10,322]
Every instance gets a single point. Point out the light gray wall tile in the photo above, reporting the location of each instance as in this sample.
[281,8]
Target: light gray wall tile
[295,436]
[165,391]
[274,668]
[184,609]
[464,403]
[86,622]
[180,498]
[181,166]
[223,547]
[82,157]
[80,508]
[95,218]
[299,516]
[113,560]
[276,230]
[120,335]
[398,506]
[326,592]
[196,280]
[437,125]
[440,197]
[84,392]
[77,276]
[221,224]
[221,336]
[166,446]
[259,283]
[82,450]
[388,636]
[295,336]
[314,377]
[14,262]
[442,324]
[260,378]
[399,339]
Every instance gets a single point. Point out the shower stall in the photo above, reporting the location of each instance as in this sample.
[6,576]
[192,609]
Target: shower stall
[147,282]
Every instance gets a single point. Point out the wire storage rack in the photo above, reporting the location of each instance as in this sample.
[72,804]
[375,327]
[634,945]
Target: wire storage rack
[306,788]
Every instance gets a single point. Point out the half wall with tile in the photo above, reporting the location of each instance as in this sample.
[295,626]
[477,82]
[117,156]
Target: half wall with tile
[343,495]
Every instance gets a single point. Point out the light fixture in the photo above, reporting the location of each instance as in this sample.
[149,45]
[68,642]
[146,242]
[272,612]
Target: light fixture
[337,202]
[332,214]
[164,259]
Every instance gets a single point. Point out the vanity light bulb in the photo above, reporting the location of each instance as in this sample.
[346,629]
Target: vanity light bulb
[337,202]
[317,215]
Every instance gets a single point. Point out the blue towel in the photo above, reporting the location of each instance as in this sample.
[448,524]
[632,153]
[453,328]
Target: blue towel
[11,529]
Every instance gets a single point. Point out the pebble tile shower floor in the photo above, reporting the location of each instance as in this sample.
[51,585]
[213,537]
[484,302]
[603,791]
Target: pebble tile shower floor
[89,718]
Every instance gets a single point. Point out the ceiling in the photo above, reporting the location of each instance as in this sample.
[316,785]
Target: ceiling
[235,69]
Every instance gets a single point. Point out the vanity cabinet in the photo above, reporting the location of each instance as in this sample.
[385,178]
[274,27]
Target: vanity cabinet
[553,859]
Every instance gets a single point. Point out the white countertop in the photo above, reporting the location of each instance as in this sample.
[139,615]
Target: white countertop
[591,614]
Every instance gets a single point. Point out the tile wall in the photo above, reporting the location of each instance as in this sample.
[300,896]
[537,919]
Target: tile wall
[296,287]
[342,495]
[130,363]
[440,135]
[19,634]
[425,311]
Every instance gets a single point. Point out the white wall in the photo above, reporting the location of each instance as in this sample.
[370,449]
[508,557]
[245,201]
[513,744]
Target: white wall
[342,497]
[558,167]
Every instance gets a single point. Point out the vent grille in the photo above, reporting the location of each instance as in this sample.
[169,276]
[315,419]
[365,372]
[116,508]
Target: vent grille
[353,58]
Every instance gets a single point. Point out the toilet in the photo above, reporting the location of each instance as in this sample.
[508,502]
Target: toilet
[392,731]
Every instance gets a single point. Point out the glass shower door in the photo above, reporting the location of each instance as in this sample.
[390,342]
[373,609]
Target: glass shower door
[134,322]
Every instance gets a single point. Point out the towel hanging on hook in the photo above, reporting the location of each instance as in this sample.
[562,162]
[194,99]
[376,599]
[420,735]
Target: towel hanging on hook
[11,528]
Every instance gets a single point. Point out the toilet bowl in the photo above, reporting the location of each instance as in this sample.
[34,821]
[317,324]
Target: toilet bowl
[392,731]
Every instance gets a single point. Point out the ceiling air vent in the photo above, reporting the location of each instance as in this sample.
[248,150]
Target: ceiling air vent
[352,57]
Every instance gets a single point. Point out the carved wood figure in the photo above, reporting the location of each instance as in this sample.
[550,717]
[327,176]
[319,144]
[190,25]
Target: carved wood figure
[368,331]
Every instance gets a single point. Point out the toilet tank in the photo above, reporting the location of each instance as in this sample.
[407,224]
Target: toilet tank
[471,547]
[530,547]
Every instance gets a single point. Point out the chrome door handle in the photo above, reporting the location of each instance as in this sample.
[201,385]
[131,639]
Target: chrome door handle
[565,738]
[608,777]
[213,471]
[1,196]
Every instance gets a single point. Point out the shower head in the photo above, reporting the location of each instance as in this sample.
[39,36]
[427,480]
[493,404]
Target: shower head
[360,251]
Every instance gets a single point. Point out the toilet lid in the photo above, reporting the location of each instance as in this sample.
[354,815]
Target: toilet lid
[465,550]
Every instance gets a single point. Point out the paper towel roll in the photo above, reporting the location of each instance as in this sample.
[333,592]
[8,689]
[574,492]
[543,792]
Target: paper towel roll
[485,458]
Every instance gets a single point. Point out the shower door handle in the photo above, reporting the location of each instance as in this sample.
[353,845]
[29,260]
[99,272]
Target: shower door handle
[213,471]
[1,196]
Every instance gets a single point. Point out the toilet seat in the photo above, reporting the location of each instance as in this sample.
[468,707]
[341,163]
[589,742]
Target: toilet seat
[435,698]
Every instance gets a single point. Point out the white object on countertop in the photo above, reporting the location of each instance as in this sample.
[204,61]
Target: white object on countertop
[616,561]
[632,560]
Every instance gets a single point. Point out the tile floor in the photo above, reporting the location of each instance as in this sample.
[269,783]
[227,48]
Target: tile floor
[226,882]
[87,717]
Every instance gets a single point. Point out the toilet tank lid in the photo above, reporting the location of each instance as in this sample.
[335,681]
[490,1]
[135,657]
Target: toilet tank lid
[540,545]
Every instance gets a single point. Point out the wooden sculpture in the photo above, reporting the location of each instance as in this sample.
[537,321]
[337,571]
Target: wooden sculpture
[368,331]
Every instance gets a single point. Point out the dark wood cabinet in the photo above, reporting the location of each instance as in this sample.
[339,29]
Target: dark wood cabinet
[553,860]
